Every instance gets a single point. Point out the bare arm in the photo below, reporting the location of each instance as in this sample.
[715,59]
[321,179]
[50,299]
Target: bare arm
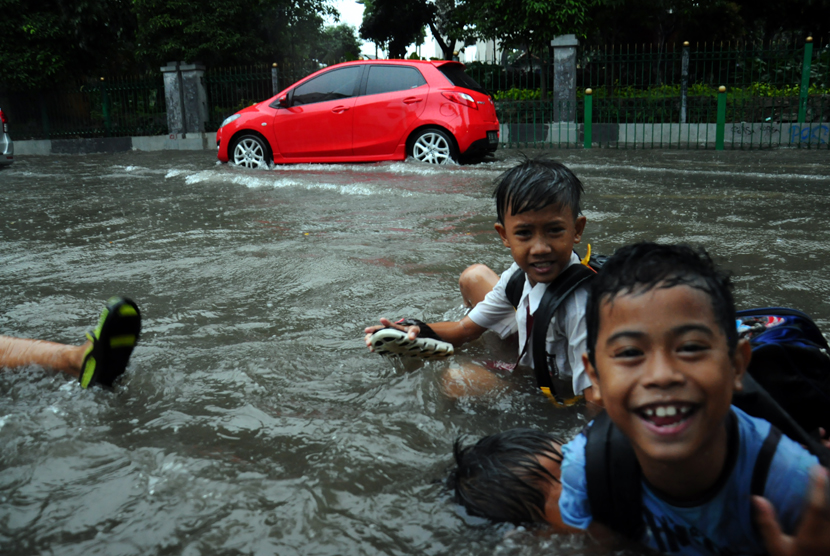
[456,333]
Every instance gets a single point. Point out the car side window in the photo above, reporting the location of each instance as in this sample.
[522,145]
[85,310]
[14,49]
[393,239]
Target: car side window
[332,85]
[385,79]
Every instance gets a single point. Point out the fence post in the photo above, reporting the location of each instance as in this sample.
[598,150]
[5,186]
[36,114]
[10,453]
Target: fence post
[105,108]
[186,98]
[719,131]
[805,80]
[194,97]
[44,116]
[589,116]
[173,98]
[275,87]
[684,81]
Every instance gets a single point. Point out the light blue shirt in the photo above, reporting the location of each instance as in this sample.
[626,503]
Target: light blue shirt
[721,524]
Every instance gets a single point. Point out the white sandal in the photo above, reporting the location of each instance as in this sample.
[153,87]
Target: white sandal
[392,342]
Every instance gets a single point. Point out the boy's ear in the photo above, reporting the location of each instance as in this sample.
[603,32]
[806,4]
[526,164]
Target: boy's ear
[592,374]
[579,227]
[740,362]
[502,234]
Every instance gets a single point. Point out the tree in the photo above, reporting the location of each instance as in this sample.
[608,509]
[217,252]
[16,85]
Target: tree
[768,19]
[528,24]
[218,32]
[395,24]
[338,43]
[52,39]
[659,22]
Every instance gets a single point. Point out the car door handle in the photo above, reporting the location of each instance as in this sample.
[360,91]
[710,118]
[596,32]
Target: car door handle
[411,100]
[339,109]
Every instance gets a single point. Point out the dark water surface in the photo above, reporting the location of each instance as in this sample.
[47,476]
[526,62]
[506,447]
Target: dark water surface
[252,420]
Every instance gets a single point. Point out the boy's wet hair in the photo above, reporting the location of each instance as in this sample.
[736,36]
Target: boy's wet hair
[535,184]
[501,478]
[644,266]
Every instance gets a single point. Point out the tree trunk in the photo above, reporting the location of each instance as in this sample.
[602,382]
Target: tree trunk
[446,49]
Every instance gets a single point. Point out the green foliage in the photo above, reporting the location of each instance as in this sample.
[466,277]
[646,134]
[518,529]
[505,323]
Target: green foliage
[48,39]
[530,23]
[754,90]
[218,32]
[518,94]
[337,43]
[395,24]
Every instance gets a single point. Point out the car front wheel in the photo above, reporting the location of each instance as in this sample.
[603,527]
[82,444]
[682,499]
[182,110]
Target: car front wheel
[433,146]
[251,151]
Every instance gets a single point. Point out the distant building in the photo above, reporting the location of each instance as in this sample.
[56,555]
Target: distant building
[483,51]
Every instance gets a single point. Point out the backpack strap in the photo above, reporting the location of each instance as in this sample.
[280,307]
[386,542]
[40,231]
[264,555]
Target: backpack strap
[514,288]
[613,479]
[764,460]
[558,290]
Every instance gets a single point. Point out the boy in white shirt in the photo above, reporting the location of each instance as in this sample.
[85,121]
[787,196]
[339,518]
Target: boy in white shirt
[539,220]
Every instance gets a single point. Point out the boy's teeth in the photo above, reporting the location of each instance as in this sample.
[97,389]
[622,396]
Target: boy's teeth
[666,410]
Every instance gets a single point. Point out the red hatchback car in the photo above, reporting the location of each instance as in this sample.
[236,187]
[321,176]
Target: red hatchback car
[365,111]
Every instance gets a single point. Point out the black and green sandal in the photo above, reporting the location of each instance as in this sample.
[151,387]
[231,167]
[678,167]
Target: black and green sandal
[113,340]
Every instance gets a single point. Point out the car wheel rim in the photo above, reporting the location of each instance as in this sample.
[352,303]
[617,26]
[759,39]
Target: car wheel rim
[432,148]
[249,153]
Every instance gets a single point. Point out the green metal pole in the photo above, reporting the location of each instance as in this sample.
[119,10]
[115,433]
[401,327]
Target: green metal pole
[805,80]
[719,131]
[589,114]
[105,108]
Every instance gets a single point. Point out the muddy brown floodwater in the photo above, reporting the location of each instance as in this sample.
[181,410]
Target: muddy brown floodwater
[252,420]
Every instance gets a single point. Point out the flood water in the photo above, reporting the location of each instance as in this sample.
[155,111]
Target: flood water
[252,419]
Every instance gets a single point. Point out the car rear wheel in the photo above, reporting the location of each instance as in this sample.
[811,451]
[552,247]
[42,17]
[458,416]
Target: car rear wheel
[433,146]
[251,151]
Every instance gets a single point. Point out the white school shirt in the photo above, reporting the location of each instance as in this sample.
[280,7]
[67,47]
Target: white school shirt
[567,334]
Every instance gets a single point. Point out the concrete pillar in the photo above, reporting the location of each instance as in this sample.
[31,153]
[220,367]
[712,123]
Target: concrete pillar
[195,97]
[186,99]
[564,78]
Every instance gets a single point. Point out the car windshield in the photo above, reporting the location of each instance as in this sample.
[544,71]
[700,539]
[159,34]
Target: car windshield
[457,77]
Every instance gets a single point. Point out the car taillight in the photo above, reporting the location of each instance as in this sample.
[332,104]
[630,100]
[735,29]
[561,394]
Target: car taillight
[3,117]
[461,98]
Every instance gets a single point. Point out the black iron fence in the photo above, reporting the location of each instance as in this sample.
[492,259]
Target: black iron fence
[107,107]
[775,94]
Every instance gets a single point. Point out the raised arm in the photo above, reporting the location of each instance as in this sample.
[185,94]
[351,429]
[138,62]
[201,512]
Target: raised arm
[456,333]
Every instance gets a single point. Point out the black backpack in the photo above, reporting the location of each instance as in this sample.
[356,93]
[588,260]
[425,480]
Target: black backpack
[558,290]
[787,383]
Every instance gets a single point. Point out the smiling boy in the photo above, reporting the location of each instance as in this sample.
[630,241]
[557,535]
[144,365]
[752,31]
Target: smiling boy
[664,358]
[539,220]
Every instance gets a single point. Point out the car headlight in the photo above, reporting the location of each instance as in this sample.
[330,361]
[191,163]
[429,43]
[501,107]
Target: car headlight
[229,119]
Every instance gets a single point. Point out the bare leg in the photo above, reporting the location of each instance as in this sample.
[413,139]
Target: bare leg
[476,282]
[471,380]
[19,352]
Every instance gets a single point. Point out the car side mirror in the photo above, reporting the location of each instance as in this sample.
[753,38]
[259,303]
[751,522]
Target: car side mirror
[283,101]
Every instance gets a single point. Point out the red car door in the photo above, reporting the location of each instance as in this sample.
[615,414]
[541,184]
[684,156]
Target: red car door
[320,119]
[394,99]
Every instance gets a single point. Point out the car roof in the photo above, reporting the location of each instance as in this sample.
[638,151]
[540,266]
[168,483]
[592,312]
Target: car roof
[435,63]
